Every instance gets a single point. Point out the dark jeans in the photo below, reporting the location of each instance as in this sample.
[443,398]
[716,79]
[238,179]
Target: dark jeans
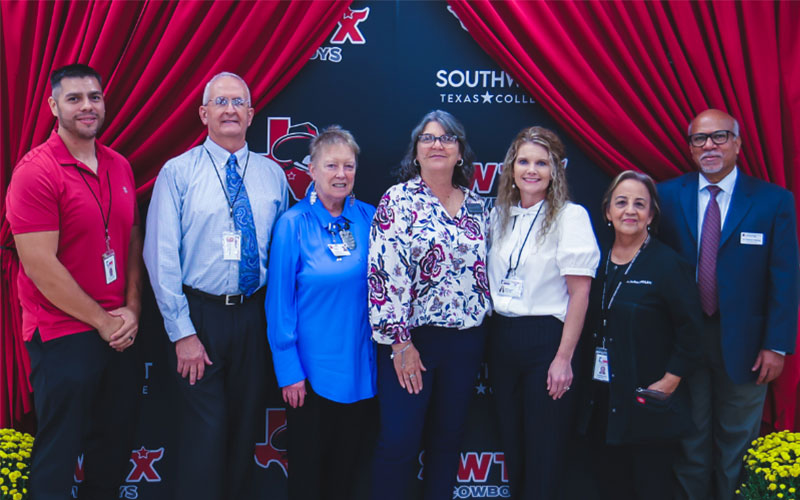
[452,358]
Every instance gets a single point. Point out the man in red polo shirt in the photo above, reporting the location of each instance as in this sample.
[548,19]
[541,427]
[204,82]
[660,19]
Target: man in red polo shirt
[71,205]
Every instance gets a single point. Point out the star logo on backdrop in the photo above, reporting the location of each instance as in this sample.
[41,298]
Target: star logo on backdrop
[480,388]
[487,97]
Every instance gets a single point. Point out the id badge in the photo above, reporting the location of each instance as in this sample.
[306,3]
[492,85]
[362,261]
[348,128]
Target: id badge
[339,249]
[510,287]
[602,372]
[110,266]
[232,245]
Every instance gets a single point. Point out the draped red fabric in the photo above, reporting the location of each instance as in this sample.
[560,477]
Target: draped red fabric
[623,79]
[155,58]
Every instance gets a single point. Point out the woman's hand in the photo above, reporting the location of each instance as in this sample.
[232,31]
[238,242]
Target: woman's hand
[667,384]
[295,395]
[408,366]
[559,377]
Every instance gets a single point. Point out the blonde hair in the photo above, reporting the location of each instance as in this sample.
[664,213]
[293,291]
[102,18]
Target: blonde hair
[557,192]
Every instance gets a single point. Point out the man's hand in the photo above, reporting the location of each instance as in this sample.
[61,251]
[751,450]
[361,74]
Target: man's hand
[771,365]
[295,394]
[126,334]
[192,358]
[110,326]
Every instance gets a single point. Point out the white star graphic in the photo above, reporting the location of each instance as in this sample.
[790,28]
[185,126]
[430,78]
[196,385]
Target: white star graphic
[480,388]
[291,176]
[142,452]
[487,97]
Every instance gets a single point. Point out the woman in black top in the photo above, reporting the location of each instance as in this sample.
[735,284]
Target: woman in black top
[643,337]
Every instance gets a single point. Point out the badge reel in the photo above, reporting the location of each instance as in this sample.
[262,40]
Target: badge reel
[601,372]
[232,245]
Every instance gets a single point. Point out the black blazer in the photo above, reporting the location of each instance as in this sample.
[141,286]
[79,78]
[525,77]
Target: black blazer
[654,326]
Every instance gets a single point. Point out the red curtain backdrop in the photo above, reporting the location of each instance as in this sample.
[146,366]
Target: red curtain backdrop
[624,79]
[155,58]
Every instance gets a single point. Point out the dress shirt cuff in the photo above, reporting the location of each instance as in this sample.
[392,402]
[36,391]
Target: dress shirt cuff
[782,353]
[179,328]
[288,368]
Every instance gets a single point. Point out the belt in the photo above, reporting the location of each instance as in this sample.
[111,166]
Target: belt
[228,300]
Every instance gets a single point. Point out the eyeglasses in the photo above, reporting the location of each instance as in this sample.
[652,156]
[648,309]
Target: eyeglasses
[719,138]
[222,102]
[443,139]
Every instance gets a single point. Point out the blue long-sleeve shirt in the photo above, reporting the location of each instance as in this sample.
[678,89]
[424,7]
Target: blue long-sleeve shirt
[318,326]
[188,214]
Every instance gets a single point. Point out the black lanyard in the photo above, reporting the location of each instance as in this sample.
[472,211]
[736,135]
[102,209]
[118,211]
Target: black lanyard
[603,309]
[519,254]
[222,184]
[107,217]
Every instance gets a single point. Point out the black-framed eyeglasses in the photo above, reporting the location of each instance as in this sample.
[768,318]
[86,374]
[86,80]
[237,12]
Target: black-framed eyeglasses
[718,137]
[443,139]
[223,101]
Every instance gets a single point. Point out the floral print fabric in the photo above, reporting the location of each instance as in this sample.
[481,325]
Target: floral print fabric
[425,267]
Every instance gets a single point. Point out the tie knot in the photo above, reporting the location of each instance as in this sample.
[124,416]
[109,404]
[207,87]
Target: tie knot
[713,190]
[232,163]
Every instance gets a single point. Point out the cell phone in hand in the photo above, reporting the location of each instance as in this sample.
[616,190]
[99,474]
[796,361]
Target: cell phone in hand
[661,396]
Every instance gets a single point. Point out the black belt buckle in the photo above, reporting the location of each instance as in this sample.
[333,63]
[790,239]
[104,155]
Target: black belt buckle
[234,300]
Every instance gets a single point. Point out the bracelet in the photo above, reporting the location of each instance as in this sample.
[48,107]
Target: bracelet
[401,351]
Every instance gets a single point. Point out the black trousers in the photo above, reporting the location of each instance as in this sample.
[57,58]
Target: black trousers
[326,439]
[223,415]
[534,429]
[86,402]
[634,472]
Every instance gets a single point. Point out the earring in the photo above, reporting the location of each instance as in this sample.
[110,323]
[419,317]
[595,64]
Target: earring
[460,162]
[513,186]
[416,163]
[312,198]
[648,228]
[609,223]
[352,198]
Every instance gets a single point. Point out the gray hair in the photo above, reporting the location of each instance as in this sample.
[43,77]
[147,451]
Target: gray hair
[333,134]
[735,127]
[207,91]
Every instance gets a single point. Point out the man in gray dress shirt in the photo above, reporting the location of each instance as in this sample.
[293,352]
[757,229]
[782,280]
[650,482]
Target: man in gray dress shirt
[208,231]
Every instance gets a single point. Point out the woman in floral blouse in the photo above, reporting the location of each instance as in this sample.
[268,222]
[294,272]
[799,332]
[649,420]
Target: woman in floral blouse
[428,295]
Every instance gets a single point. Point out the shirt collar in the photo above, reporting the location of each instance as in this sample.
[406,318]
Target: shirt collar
[532,210]
[221,155]
[324,217]
[725,184]
[65,158]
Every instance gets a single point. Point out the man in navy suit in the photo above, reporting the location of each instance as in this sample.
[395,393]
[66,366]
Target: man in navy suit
[741,234]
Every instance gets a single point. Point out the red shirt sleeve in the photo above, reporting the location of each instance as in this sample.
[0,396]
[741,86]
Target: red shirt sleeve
[32,200]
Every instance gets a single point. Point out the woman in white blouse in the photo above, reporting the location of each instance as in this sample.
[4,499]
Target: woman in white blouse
[542,260]
[428,296]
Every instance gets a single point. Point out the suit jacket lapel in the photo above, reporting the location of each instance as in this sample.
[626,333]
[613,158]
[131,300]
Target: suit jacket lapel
[688,196]
[738,208]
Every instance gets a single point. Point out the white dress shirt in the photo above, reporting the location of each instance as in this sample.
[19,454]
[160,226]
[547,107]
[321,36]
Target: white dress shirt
[568,249]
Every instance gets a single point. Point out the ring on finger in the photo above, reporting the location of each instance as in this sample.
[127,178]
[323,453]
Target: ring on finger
[412,375]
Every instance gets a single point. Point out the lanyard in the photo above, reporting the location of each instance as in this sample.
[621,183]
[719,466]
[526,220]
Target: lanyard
[513,271]
[336,229]
[603,307]
[107,217]
[222,184]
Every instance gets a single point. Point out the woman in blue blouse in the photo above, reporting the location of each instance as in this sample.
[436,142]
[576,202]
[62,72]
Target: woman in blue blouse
[318,327]
[428,297]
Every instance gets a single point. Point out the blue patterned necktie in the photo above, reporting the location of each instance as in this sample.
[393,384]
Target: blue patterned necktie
[243,220]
